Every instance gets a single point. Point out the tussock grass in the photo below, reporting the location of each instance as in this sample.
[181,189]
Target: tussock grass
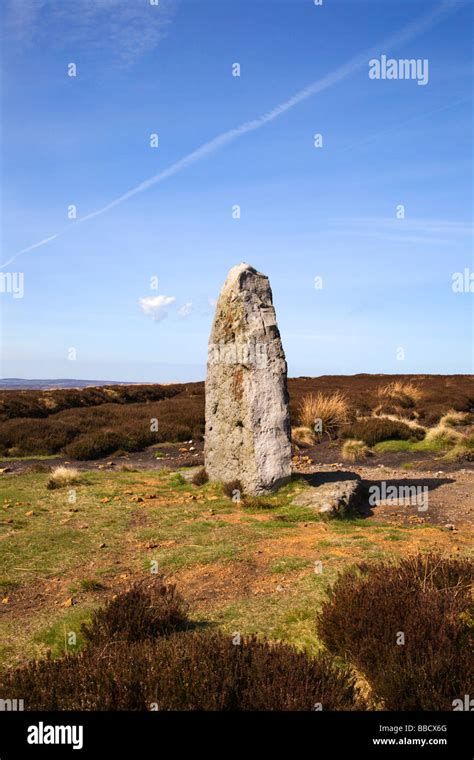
[353,450]
[401,392]
[399,418]
[302,436]
[443,436]
[331,411]
[456,419]
[463,450]
[63,476]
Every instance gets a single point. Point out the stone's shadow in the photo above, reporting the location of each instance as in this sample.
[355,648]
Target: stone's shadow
[430,484]
[316,479]
[360,506]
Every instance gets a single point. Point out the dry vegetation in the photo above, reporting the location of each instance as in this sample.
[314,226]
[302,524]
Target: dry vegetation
[92,423]
[325,414]
[353,451]
[246,565]
[63,476]
[407,627]
[141,651]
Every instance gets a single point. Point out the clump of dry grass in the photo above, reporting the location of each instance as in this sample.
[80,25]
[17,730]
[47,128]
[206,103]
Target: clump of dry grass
[324,413]
[63,476]
[443,436]
[463,450]
[302,436]
[455,419]
[401,393]
[353,450]
[399,418]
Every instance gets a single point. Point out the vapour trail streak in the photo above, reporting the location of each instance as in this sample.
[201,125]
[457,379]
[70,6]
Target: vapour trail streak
[409,32]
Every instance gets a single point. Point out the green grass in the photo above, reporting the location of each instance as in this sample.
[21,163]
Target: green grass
[288,615]
[57,637]
[58,553]
[435,447]
[90,585]
[7,586]
[288,565]
[28,458]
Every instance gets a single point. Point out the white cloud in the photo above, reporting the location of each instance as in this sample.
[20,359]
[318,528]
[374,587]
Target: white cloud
[126,29]
[186,309]
[155,306]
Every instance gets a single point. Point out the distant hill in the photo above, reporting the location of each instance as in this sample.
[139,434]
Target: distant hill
[19,383]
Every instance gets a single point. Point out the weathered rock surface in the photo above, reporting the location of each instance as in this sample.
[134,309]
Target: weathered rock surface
[333,498]
[247,413]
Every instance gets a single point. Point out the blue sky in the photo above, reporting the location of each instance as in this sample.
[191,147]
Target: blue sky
[306,212]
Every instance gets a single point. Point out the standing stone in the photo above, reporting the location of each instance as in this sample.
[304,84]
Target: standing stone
[247,412]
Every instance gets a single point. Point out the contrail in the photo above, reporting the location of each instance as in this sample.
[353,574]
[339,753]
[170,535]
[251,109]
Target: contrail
[399,125]
[409,32]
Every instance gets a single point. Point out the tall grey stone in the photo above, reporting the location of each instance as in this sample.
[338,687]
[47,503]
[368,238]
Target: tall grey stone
[247,413]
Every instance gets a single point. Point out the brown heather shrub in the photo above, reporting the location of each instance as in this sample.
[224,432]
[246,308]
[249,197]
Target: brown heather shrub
[186,671]
[200,478]
[428,599]
[331,409]
[231,486]
[36,403]
[31,436]
[96,445]
[70,415]
[92,432]
[148,610]
[373,430]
